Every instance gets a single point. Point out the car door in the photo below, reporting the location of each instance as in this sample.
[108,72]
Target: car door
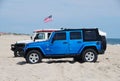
[59,44]
[75,42]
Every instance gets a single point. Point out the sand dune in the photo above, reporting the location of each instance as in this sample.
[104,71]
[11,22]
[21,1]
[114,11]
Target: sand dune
[107,68]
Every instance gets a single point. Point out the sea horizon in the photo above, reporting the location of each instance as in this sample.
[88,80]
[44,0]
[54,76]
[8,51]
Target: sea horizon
[113,41]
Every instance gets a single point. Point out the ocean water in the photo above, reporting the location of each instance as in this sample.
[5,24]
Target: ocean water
[113,41]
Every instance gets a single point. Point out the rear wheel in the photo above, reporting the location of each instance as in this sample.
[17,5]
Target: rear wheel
[33,57]
[89,55]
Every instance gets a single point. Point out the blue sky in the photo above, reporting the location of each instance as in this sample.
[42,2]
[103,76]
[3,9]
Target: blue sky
[24,16]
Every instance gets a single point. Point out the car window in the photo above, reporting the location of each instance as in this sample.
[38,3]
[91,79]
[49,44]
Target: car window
[60,36]
[75,35]
[90,35]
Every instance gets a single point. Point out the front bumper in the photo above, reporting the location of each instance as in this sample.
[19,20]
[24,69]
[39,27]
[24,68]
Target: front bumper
[17,46]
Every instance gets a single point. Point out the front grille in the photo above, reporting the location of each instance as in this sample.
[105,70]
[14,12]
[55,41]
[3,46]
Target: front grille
[20,45]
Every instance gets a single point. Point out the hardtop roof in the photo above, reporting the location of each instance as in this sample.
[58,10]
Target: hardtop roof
[77,29]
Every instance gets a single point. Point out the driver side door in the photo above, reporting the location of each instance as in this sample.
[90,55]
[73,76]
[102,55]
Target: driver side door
[59,44]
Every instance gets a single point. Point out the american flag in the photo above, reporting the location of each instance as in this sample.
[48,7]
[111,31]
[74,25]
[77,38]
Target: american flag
[48,19]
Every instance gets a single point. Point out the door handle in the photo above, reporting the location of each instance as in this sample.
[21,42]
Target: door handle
[65,42]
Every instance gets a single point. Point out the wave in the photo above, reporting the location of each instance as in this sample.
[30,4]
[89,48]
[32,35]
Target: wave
[113,41]
[113,44]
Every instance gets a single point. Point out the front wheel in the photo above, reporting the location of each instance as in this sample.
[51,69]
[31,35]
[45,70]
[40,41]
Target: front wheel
[33,57]
[89,55]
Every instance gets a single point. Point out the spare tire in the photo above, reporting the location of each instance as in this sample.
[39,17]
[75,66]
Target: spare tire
[104,42]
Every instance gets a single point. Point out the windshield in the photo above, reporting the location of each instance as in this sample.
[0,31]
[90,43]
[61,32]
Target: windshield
[40,36]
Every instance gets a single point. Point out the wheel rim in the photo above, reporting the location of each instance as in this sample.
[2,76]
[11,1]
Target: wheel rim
[89,56]
[33,58]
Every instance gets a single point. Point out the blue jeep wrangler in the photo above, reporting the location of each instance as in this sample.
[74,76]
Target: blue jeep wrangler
[80,44]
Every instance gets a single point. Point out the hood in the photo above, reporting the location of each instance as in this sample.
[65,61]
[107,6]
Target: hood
[29,41]
[24,41]
[37,44]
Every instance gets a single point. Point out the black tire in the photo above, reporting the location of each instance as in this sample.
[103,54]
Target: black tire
[33,57]
[104,43]
[89,55]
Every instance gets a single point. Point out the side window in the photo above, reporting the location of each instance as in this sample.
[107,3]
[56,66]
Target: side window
[90,35]
[75,35]
[60,36]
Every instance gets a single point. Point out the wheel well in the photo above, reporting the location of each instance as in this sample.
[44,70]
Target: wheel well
[90,47]
[33,49]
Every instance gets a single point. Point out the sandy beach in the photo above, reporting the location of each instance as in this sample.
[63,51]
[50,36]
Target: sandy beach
[107,67]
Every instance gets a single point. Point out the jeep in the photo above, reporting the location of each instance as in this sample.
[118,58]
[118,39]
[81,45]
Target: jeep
[80,44]
[38,35]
